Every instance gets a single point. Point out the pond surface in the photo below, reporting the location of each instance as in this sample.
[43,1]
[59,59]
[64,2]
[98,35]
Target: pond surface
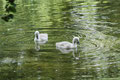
[95,22]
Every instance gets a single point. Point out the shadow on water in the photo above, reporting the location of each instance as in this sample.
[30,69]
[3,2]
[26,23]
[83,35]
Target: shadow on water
[95,22]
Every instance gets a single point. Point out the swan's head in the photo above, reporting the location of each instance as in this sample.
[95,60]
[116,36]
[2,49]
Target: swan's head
[76,40]
[37,34]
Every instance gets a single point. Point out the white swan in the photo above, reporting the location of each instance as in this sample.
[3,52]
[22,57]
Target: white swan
[40,39]
[43,37]
[68,45]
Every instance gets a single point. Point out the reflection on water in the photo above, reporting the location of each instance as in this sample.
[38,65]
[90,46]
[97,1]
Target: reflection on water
[97,57]
[73,50]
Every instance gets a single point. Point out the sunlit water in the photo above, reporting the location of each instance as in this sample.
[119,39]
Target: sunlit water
[95,22]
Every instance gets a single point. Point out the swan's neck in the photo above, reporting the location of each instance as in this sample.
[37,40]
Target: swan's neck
[37,36]
[74,43]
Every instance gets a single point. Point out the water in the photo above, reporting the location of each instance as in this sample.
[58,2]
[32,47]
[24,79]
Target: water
[96,22]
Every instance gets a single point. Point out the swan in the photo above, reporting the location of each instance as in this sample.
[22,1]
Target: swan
[68,45]
[40,39]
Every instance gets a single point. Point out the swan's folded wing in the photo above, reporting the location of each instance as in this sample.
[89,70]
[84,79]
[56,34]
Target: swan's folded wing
[64,44]
[43,36]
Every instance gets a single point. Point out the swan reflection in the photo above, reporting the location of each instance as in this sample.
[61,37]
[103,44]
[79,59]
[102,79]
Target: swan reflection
[37,45]
[75,52]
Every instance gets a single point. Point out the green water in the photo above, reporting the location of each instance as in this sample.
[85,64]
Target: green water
[96,22]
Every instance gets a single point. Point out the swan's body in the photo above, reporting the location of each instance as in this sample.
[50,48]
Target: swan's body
[40,39]
[68,45]
[65,50]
